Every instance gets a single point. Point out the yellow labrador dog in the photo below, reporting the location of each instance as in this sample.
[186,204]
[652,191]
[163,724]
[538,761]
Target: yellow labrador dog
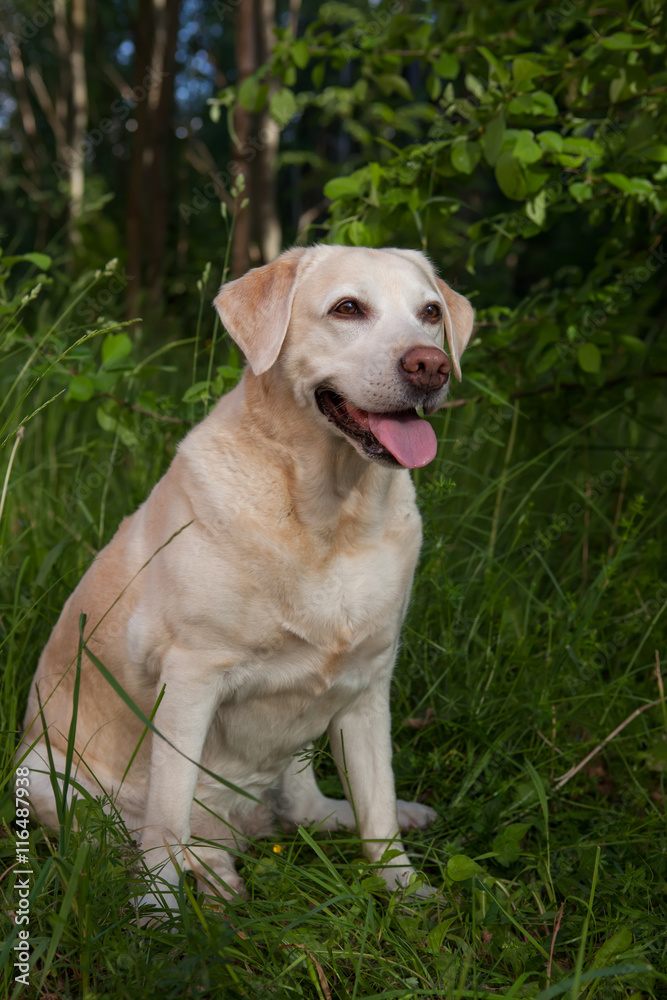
[262,586]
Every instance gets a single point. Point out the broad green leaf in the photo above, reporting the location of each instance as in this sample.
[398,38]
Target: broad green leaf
[340,187]
[633,345]
[40,260]
[510,177]
[282,106]
[631,185]
[589,358]
[525,69]
[544,104]
[447,66]
[317,75]
[501,71]
[656,152]
[620,40]
[526,149]
[115,347]
[460,867]
[433,86]
[253,94]
[300,53]
[508,843]
[359,234]
[552,141]
[492,138]
[581,191]
[197,392]
[578,144]
[619,942]
[465,156]
[536,208]
[392,83]
[81,388]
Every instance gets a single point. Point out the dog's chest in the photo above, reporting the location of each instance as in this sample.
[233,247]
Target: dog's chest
[346,598]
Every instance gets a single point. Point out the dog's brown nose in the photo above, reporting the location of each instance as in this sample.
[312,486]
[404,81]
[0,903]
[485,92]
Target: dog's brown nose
[426,368]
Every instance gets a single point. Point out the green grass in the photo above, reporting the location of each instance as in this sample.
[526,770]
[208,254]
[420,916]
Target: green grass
[530,639]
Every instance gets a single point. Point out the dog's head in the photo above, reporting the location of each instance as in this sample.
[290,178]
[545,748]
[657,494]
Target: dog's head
[359,335]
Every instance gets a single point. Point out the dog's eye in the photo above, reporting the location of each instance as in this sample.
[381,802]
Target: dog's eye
[432,311]
[347,308]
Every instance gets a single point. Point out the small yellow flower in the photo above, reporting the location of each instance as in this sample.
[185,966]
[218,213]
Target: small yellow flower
[277,849]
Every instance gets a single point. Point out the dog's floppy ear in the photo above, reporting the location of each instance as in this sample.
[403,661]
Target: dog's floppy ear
[459,317]
[256,308]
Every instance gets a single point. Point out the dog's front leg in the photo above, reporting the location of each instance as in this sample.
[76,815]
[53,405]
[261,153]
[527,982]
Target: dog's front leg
[183,719]
[360,739]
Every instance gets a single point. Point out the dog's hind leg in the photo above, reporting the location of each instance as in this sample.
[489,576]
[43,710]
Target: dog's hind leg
[298,800]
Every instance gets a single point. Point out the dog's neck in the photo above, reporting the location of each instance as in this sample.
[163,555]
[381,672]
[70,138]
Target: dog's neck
[328,478]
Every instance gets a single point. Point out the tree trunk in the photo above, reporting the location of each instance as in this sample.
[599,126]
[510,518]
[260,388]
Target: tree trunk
[79,118]
[160,102]
[246,64]
[264,191]
[147,214]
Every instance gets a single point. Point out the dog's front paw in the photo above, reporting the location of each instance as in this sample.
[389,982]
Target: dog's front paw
[414,815]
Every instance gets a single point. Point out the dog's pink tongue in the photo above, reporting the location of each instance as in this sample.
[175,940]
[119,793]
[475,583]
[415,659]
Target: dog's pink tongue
[410,439]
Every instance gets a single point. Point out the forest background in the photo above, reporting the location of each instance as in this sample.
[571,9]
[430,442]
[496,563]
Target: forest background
[150,150]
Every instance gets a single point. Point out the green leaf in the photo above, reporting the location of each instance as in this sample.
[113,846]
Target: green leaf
[633,345]
[41,260]
[544,104]
[433,86]
[492,138]
[341,187]
[587,147]
[536,208]
[252,94]
[525,69]
[631,185]
[358,234]
[526,149]
[619,942]
[282,106]
[589,358]
[620,40]
[115,347]
[317,75]
[502,73]
[392,83]
[552,141]
[465,156]
[447,66]
[508,843]
[81,388]
[460,867]
[536,103]
[581,191]
[197,392]
[656,152]
[300,53]
[510,177]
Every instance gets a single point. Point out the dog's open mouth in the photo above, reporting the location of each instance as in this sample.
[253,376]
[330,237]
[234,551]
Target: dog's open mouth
[401,438]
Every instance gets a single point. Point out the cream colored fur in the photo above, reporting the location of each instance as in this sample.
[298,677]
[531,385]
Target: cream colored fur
[263,584]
